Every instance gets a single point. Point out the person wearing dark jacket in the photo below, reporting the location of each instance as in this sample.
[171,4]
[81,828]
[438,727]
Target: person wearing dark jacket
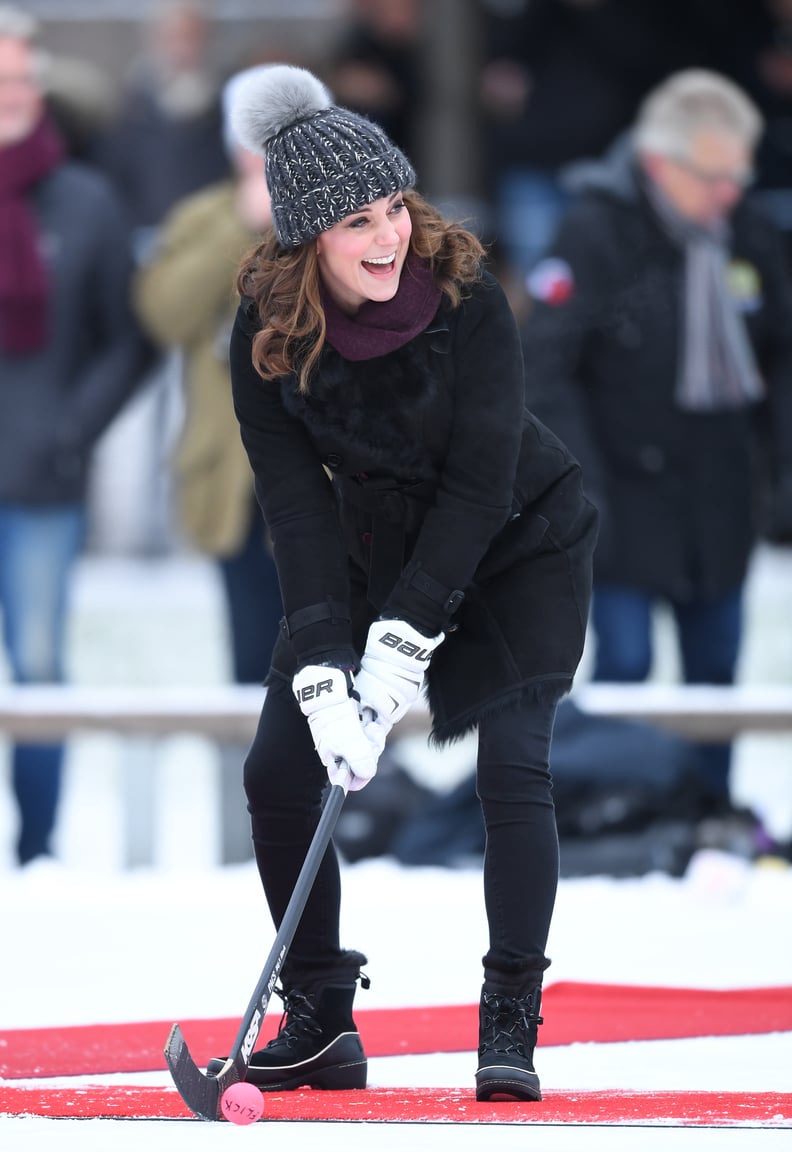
[427,530]
[659,347]
[560,81]
[165,141]
[69,356]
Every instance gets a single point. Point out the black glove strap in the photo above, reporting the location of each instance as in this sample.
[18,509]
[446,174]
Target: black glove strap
[449,599]
[332,610]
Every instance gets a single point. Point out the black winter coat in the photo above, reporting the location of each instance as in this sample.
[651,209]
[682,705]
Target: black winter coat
[678,491]
[57,401]
[442,485]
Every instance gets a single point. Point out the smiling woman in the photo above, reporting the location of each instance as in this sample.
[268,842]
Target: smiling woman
[428,532]
[362,257]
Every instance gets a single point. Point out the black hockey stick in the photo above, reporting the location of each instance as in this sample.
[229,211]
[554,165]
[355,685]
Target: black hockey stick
[202,1092]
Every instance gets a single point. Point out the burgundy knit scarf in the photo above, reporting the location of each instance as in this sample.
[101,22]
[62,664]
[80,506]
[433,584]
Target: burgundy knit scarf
[379,327]
[24,286]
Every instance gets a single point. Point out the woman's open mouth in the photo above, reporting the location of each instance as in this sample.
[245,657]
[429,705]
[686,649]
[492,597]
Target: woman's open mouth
[381,265]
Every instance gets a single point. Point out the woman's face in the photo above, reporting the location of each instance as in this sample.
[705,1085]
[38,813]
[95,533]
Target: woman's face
[361,257]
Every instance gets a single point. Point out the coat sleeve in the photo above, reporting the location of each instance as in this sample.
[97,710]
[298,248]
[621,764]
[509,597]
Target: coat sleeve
[775,356]
[568,309]
[299,508]
[120,354]
[189,281]
[476,484]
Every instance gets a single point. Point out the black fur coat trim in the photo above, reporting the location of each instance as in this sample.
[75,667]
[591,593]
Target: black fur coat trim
[373,410]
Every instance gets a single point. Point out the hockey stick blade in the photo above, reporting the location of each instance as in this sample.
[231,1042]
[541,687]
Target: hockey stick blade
[202,1092]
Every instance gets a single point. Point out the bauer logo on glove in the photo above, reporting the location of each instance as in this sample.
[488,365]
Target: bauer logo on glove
[312,691]
[391,675]
[406,647]
[323,694]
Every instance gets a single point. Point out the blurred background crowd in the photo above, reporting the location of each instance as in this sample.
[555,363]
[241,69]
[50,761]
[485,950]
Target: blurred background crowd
[492,98]
[500,104]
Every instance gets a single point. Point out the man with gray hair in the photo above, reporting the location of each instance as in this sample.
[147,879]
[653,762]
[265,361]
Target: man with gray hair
[69,357]
[659,347]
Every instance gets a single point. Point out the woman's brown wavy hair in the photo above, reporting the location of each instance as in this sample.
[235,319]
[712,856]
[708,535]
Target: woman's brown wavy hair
[284,283]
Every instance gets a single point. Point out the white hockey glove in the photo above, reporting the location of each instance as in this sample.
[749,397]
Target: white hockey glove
[323,696]
[391,675]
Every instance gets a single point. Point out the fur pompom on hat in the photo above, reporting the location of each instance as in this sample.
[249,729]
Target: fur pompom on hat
[322,162]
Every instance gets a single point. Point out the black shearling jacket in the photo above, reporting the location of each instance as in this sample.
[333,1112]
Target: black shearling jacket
[416,485]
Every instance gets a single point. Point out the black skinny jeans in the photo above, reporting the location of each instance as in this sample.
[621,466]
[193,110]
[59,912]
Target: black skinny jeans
[284,782]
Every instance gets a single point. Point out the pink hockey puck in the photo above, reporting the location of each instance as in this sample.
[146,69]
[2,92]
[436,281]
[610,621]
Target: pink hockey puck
[242,1103]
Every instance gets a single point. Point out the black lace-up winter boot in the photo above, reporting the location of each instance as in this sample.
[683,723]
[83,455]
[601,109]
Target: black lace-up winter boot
[318,1045]
[508,1020]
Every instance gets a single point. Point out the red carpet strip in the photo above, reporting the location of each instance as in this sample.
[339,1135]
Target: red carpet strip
[573,1013]
[405,1105]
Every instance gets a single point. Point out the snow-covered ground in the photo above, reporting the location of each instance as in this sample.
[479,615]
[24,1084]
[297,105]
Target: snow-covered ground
[88,947]
[86,940]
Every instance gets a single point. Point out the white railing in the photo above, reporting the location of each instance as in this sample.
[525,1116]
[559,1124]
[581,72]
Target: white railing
[699,712]
[229,713]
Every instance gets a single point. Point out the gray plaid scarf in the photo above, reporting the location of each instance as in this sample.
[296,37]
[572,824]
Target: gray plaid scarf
[716,365]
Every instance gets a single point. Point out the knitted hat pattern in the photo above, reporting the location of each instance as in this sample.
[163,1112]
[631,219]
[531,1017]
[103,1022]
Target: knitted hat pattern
[323,162]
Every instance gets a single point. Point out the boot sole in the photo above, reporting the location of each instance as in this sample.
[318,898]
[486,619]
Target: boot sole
[340,1067]
[502,1083]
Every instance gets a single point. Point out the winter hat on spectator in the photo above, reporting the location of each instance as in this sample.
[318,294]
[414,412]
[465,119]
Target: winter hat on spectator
[322,162]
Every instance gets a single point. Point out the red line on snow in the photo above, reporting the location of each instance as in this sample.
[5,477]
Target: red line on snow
[741,1109]
[573,1013]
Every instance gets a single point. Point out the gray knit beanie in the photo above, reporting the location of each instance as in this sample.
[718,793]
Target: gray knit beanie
[322,162]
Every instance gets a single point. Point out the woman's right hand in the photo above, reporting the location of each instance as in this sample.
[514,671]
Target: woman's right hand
[323,695]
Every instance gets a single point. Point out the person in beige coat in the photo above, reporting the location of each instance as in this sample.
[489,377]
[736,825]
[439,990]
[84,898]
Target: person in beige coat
[184,298]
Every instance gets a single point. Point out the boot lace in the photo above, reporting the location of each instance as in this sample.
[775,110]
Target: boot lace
[298,1021]
[509,1025]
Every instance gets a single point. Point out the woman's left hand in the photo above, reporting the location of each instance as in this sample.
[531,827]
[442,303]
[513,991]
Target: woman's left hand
[391,675]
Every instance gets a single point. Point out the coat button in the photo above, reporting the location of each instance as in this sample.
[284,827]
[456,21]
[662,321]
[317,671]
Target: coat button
[334,461]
